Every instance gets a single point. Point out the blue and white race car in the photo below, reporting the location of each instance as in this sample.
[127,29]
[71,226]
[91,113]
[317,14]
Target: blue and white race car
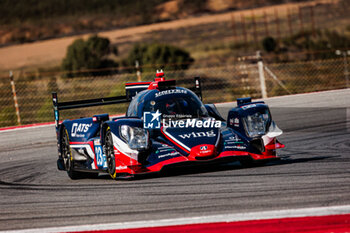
[164,125]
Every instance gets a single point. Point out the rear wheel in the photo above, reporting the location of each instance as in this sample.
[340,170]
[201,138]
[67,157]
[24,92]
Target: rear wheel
[68,161]
[110,154]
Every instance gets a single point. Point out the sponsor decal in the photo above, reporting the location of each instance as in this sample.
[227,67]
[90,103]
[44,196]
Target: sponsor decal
[177,116]
[78,130]
[198,134]
[151,120]
[230,142]
[248,106]
[168,92]
[121,168]
[168,154]
[234,138]
[163,150]
[202,150]
[236,122]
[239,147]
[100,158]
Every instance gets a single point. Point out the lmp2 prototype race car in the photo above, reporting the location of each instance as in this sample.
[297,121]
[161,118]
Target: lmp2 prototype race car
[164,126]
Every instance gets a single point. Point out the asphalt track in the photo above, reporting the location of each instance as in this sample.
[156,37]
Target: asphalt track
[314,172]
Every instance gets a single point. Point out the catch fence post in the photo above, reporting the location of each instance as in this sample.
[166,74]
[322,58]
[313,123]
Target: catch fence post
[15,97]
[346,71]
[138,71]
[261,76]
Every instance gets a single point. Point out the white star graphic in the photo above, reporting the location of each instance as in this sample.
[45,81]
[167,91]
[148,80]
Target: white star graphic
[156,115]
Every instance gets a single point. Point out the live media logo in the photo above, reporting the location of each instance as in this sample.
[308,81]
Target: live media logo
[151,120]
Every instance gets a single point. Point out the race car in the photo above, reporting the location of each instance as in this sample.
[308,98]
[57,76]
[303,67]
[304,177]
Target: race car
[164,126]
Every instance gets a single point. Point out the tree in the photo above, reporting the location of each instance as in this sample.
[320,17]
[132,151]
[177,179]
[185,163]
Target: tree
[156,56]
[323,43]
[269,44]
[89,55]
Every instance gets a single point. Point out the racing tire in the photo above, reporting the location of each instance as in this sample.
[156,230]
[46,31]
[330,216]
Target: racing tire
[68,161]
[109,150]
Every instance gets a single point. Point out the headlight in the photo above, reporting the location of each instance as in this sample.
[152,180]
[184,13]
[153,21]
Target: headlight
[137,138]
[256,124]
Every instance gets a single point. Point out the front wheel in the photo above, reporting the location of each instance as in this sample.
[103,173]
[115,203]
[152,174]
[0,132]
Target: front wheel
[109,149]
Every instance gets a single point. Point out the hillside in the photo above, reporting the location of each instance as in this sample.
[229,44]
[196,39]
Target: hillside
[28,21]
[210,38]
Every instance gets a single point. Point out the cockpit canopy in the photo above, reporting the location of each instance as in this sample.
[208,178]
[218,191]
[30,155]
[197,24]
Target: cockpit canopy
[172,103]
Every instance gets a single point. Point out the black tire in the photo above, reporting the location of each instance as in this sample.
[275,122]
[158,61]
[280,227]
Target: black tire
[68,161]
[109,150]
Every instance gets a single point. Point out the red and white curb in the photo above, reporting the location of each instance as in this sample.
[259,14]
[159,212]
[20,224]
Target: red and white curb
[317,215]
[20,127]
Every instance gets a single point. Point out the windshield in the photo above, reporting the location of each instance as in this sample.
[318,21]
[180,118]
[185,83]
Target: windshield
[177,107]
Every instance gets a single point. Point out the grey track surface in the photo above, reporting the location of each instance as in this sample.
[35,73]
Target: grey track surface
[314,172]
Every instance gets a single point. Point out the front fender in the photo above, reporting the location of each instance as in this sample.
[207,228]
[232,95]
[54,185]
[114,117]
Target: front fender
[114,126]
[264,142]
[124,155]
[236,116]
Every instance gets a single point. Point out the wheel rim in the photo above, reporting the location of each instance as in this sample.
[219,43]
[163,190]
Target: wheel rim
[66,152]
[110,154]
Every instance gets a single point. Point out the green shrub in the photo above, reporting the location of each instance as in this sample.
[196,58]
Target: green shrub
[155,56]
[269,44]
[89,55]
[326,41]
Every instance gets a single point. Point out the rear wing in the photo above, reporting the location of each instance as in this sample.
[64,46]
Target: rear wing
[131,90]
[57,106]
